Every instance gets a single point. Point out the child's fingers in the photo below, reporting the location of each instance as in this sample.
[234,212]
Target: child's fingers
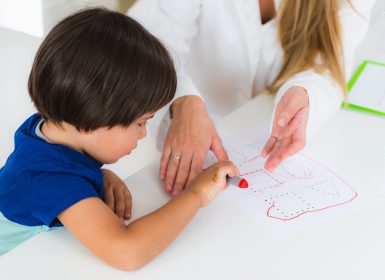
[109,197]
[234,169]
[119,202]
[128,203]
[237,173]
[227,168]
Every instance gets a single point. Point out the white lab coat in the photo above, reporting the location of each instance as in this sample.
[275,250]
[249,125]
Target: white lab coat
[224,54]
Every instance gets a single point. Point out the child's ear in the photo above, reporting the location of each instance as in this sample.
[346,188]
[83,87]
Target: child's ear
[82,131]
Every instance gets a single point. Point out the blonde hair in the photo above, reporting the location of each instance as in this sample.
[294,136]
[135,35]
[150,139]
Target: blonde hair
[310,35]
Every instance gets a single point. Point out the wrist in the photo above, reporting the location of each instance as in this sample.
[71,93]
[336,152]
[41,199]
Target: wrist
[300,90]
[186,105]
[195,197]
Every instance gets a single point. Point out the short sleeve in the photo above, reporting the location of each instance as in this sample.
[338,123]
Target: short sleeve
[51,194]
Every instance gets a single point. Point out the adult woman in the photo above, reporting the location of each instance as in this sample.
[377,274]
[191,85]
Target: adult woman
[228,51]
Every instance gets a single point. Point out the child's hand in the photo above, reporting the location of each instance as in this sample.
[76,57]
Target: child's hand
[116,195]
[212,180]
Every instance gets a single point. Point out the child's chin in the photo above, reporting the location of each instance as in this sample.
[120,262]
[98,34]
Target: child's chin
[111,161]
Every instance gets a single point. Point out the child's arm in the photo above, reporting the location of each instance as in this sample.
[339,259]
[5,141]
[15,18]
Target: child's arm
[131,247]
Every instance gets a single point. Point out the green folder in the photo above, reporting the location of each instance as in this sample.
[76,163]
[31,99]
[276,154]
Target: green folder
[352,82]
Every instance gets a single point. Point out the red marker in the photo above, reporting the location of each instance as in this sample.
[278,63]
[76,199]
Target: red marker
[237,181]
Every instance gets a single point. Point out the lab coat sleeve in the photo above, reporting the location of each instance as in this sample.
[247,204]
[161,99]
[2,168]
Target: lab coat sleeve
[175,24]
[325,95]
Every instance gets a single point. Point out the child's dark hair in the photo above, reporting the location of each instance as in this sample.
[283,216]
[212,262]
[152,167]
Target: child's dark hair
[99,68]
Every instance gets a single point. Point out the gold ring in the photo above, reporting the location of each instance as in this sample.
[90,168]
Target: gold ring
[175,157]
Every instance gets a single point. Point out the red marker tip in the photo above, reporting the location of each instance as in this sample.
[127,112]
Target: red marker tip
[243,184]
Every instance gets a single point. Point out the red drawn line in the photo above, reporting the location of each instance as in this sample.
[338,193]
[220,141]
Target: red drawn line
[346,183]
[263,171]
[251,172]
[253,158]
[311,211]
[307,173]
[321,209]
[291,176]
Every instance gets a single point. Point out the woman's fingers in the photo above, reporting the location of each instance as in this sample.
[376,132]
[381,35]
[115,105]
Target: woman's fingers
[299,134]
[291,140]
[296,146]
[289,110]
[197,164]
[182,173]
[164,161]
[218,149]
[271,161]
[289,127]
[193,134]
[269,146]
[172,169]
[294,100]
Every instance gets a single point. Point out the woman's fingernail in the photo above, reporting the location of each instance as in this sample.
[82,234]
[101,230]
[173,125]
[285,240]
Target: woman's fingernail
[168,188]
[282,121]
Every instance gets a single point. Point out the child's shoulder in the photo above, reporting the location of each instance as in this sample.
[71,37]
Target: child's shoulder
[34,152]
[40,178]
[35,157]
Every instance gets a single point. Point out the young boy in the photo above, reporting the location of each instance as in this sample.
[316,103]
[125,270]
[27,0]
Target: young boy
[96,79]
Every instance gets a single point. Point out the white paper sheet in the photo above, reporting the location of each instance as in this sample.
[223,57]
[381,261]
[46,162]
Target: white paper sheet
[299,193]
[369,89]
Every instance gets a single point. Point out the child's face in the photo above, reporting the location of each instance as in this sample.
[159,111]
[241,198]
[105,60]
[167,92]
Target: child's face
[109,145]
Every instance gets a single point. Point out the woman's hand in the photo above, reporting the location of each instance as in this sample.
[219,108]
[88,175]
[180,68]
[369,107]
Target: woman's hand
[116,195]
[191,135]
[288,134]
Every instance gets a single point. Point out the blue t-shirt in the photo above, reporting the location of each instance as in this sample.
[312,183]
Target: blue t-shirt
[40,180]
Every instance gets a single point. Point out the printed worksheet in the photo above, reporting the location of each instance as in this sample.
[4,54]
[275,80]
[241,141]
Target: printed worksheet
[300,192]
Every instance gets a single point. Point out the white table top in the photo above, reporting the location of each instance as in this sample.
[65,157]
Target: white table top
[223,243]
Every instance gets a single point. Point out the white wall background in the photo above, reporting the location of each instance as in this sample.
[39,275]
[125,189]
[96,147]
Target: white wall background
[37,17]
